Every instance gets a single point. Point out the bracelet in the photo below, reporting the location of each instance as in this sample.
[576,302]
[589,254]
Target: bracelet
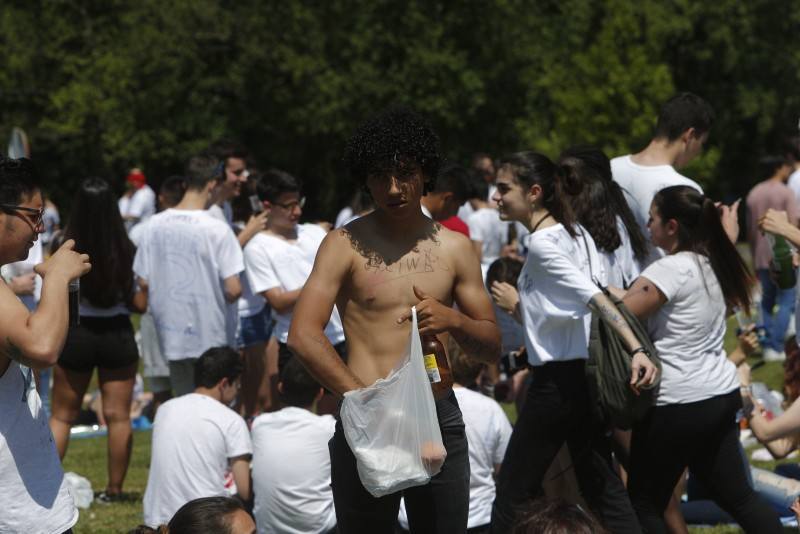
[746,389]
[639,349]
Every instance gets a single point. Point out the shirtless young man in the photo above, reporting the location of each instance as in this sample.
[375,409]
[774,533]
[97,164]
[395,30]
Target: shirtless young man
[32,486]
[375,269]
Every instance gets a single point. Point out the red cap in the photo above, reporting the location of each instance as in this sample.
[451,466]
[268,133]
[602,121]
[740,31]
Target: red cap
[136,177]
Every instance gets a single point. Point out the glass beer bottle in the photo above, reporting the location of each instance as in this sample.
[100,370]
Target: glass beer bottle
[436,364]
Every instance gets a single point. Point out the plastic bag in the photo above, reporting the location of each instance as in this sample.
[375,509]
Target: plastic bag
[392,427]
[80,488]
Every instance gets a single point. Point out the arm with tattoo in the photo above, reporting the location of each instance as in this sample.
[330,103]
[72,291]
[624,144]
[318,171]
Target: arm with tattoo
[643,371]
[603,306]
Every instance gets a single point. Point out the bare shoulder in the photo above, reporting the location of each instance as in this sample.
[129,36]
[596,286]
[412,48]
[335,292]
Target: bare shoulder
[335,247]
[456,246]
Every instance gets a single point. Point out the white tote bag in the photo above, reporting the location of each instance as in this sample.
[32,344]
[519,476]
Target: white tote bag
[392,427]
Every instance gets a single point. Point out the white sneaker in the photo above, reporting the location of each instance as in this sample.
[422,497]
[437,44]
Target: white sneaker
[772,355]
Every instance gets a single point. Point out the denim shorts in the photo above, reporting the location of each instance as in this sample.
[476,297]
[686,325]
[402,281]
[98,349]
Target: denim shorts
[254,329]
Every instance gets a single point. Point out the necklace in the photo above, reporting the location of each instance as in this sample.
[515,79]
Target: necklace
[540,221]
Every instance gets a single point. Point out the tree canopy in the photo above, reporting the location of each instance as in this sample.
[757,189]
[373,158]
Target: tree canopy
[102,86]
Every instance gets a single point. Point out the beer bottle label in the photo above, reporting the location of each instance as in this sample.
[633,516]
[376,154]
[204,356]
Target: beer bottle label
[432,368]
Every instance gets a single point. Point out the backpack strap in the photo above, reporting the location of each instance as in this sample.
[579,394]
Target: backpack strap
[593,278]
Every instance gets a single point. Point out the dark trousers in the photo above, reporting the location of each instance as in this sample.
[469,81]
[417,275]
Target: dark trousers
[558,410]
[704,437]
[441,506]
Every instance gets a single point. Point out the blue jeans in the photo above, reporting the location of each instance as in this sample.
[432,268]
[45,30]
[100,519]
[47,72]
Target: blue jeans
[777,323]
[779,491]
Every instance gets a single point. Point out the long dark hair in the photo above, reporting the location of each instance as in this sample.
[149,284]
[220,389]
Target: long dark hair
[97,228]
[531,168]
[601,200]
[700,230]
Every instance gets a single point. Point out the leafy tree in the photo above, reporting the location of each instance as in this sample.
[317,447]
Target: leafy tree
[103,86]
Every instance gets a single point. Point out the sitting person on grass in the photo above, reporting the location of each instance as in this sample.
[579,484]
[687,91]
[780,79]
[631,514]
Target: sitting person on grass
[291,462]
[196,438]
[488,432]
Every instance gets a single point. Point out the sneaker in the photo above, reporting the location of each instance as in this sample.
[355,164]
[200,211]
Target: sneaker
[107,498]
[772,355]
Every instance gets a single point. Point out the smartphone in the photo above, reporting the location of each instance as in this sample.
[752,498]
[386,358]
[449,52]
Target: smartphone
[255,204]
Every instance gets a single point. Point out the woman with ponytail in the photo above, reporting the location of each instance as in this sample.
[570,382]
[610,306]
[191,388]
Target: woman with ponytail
[685,297]
[601,208]
[557,293]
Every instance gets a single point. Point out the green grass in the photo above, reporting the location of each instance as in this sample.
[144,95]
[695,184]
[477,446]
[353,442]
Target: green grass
[87,457]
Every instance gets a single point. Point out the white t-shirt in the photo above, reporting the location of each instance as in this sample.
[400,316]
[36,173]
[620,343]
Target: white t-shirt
[272,261]
[250,303]
[185,255]
[345,215]
[194,436]
[621,266]
[465,211]
[488,432]
[485,226]
[142,204]
[135,233]
[794,184]
[688,331]
[555,287]
[292,472]
[247,305]
[222,213]
[640,183]
[19,268]
[35,495]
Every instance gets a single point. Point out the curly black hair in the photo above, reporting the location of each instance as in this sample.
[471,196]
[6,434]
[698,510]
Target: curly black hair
[397,140]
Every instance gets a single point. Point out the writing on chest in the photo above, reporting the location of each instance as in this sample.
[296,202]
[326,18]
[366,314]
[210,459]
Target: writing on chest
[377,283]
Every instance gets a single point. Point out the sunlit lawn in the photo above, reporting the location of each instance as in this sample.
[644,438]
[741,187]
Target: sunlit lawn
[87,457]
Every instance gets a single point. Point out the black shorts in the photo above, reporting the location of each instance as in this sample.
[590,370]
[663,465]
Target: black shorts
[104,342]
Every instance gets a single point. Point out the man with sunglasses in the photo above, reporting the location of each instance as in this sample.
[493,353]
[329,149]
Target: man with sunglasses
[32,485]
[279,259]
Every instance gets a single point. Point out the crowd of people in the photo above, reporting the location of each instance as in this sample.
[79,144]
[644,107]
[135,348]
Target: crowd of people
[254,325]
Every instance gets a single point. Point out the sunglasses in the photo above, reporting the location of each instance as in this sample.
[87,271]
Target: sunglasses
[37,215]
[289,206]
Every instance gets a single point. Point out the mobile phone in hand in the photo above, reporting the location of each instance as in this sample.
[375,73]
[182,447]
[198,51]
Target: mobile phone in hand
[255,204]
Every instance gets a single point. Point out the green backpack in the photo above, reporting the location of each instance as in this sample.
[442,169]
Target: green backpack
[608,370]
